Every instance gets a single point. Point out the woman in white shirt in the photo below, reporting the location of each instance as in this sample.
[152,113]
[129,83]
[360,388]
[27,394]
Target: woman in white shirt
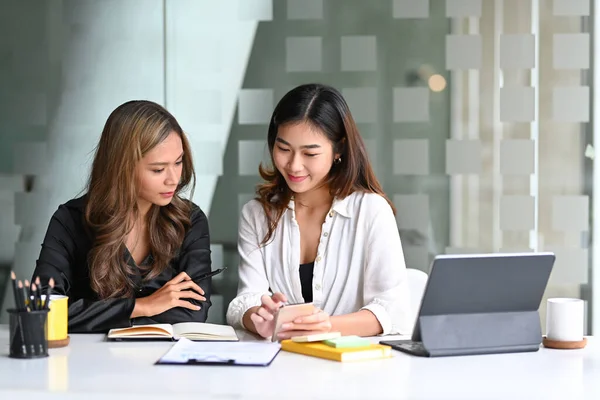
[321,229]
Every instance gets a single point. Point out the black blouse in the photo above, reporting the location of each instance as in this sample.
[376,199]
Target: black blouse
[306,277]
[64,258]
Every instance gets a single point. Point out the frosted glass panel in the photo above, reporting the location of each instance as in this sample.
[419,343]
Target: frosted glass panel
[571,104]
[255,106]
[463,51]
[463,157]
[570,213]
[463,8]
[571,51]
[416,257]
[411,8]
[30,157]
[517,104]
[412,211]
[244,198]
[303,54]
[411,157]
[411,104]
[250,154]
[570,267]
[517,51]
[216,257]
[304,9]
[362,103]
[571,7]
[359,53]
[517,157]
[517,213]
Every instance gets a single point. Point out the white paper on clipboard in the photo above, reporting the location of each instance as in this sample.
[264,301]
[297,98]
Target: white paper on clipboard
[187,352]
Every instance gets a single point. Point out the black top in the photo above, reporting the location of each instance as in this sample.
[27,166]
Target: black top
[306,277]
[64,258]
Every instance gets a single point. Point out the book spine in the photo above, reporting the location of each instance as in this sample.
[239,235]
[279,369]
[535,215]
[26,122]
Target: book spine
[312,352]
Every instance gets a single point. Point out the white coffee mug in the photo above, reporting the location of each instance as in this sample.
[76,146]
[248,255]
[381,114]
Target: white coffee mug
[564,319]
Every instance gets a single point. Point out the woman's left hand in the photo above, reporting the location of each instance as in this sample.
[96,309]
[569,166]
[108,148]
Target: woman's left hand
[319,322]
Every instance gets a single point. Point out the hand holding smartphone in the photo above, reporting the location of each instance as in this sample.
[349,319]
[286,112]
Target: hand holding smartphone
[289,313]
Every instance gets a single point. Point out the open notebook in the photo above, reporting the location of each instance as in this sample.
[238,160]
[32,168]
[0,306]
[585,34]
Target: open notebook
[196,331]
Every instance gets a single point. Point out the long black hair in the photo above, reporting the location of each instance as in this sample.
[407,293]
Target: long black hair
[325,109]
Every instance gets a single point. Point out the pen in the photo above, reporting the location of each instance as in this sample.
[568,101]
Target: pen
[210,274]
[27,295]
[25,324]
[35,294]
[16,291]
[48,293]
[38,294]
[206,276]
[20,308]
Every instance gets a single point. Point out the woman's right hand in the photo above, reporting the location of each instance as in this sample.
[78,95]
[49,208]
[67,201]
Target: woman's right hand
[263,317]
[172,294]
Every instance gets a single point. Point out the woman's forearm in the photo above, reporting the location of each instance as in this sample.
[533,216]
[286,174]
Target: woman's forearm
[360,323]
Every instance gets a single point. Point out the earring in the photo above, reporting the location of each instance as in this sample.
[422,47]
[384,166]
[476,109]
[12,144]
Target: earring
[337,160]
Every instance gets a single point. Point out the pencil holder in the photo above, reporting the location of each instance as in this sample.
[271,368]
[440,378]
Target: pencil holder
[28,337]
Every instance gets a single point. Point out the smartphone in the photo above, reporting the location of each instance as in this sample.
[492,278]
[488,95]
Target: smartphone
[290,312]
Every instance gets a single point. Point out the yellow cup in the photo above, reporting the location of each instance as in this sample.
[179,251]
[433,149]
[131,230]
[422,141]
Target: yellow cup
[58,317]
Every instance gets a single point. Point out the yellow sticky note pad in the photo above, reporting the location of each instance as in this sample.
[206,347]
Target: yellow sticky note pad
[348,342]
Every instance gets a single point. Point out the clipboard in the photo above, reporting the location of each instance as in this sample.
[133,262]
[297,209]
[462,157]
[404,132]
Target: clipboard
[250,354]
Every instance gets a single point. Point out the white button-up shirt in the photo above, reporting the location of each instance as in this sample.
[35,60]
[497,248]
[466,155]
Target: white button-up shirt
[359,264]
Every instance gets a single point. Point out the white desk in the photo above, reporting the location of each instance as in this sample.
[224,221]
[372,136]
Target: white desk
[91,369]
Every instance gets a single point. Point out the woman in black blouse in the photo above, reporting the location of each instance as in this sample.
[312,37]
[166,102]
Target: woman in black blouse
[131,250]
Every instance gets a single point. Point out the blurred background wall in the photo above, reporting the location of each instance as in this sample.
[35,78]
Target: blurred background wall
[476,113]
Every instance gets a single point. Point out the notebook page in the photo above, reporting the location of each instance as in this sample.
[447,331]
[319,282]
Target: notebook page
[240,353]
[207,329]
[137,330]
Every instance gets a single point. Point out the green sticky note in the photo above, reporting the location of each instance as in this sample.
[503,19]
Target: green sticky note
[346,342]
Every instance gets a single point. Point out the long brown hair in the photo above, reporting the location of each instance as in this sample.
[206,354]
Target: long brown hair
[324,108]
[132,129]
